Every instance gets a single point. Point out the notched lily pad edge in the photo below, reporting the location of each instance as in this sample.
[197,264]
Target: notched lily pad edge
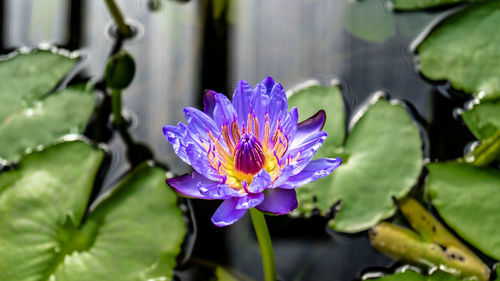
[99,94]
[77,55]
[183,203]
[358,112]
[444,86]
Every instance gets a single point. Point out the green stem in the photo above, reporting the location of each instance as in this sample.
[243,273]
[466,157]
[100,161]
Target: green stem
[123,28]
[116,107]
[266,247]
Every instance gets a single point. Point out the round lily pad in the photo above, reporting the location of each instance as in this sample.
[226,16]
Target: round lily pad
[31,116]
[372,171]
[467,197]
[462,50]
[384,161]
[134,233]
[483,119]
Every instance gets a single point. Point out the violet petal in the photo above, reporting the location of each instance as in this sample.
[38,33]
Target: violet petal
[261,181]
[316,169]
[227,213]
[200,123]
[188,185]
[241,101]
[307,150]
[308,127]
[224,111]
[199,162]
[176,136]
[249,201]
[279,201]
[209,102]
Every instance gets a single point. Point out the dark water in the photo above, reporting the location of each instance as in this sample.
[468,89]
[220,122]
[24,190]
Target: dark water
[184,47]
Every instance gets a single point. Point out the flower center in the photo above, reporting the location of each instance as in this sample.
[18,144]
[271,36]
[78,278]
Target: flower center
[249,155]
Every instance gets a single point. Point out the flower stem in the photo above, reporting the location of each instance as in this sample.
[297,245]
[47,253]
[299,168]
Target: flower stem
[266,247]
[123,28]
[116,107]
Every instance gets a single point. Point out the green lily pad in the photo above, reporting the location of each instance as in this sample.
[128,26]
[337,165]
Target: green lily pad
[373,170]
[473,212]
[64,112]
[31,117]
[30,76]
[422,4]
[410,275]
[462,50]
[134,233]
[483,119]
[330,98]
[378,27]
[384,161]
[308,101]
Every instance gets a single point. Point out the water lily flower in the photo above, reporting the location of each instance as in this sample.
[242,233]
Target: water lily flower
[249,153]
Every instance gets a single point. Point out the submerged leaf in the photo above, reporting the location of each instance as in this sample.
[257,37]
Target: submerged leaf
[462,50]
[378,27]
[134,233]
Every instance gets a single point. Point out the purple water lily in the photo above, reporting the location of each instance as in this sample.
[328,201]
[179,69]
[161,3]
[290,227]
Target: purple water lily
[249,153]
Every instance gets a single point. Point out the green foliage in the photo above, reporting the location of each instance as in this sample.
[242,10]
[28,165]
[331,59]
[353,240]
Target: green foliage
[31,116]
[378,27]
[410,275]
[423,4]
[483,119]
[120,71]
[462,50]
[27,77]
[134,233]
[373,170]
[467,197]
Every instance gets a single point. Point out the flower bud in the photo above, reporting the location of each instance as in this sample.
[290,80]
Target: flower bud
[120,70]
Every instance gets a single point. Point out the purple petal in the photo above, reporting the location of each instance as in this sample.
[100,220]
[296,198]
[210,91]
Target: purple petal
[279,104]
[316,169]
[241,101]
[249,201]
[199,162]
[227,213]
[176,136]
[224,111]
[307,150]
[308,127]
[261,181]
[289,124]
[199,123]
[209,102]
[279,201]
[283,177]
[218,191]
[268,82]
[188,185]
[259,102]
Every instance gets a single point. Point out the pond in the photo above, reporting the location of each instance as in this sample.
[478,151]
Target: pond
[180,48]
